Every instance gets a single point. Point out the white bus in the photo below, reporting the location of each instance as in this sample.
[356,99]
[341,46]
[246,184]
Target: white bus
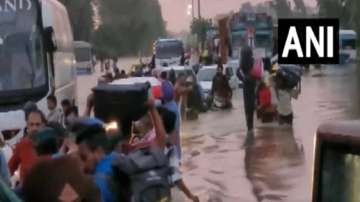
[168,52]
[84,57]
[348,53]
[36,60]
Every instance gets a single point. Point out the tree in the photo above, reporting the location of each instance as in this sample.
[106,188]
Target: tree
[300,7]
[282,8]
[81,16]
[336,9]
[126,32]
[200,27]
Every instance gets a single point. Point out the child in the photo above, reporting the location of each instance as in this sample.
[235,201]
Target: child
[145,135]
[285,96]
[265,109]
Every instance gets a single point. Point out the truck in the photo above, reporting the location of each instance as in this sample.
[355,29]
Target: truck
[253,29]
[37,60]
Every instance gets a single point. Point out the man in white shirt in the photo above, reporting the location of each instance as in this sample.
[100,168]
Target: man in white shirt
[55,114]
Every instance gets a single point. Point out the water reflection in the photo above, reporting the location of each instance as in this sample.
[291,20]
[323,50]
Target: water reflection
[274,164]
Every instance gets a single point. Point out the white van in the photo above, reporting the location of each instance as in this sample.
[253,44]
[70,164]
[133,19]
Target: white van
[84,57]
[168,52]
[348,52]
[31,67]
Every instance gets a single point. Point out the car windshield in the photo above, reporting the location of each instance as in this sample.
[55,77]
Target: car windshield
[206,74]
[83,54]
[169,49]
[21,50]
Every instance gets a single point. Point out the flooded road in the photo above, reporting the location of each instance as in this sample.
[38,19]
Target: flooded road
[222,164]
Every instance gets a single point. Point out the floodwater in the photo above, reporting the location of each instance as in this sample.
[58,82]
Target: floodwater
[221,163]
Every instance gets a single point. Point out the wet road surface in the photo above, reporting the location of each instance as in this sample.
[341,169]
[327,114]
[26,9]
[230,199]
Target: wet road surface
[222,163]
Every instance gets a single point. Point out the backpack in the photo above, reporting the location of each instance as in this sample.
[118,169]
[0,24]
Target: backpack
[149,173]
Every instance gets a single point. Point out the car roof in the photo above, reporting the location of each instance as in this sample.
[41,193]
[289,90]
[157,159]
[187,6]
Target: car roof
[176,68]
[214,67]
[168,40]
[348,31]
[209,67]
[134,80]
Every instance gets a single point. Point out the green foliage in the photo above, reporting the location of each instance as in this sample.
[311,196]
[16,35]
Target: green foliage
[335,9]
[81,17]
[200,28]
[128,26]
[282,8]
[300,8]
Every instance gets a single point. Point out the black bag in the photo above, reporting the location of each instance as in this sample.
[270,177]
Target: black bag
[291,76]
[122,103]
[149,174]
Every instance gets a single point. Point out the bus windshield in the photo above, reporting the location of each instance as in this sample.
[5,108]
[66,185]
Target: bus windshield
[22,64]
[83,54]
[169,49]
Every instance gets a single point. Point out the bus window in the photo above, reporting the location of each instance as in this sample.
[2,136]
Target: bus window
[169,49]
[83,54]
[348,44]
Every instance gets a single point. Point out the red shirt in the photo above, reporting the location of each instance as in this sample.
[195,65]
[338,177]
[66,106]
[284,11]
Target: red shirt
[24,156]
[265,97]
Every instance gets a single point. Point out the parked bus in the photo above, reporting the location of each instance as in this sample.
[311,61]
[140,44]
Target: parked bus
[168,52]
[84,57]
[347,46]
[37,59]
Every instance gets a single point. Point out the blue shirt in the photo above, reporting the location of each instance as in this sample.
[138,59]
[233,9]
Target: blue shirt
[104,172]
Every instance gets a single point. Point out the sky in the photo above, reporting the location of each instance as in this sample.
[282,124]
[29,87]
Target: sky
[175,11]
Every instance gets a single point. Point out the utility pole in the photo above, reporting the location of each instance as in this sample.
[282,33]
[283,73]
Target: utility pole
[193,9]
[199,9]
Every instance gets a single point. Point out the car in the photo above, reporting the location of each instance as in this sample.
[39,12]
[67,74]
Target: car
[207,73]
[197,98]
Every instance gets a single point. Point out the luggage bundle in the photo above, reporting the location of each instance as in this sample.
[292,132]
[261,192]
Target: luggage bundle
[291,74]
[122,103]
[149,174]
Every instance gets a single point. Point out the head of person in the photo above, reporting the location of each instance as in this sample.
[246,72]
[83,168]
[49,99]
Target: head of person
[56,179]
[247,60]
[35,121]
[66,105]
[28,107]
[46,142]
[93,143]
[163,75]
[116,71]
[123,72]
[181,78]
[60,132]
[51,102]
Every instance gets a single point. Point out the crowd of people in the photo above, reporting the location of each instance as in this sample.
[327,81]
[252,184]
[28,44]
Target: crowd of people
[67,157]
[269,94]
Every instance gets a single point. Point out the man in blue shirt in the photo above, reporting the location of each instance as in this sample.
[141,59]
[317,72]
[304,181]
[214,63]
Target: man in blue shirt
[97,161]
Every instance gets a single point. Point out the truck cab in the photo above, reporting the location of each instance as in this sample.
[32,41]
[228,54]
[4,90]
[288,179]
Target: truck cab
[336,173]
